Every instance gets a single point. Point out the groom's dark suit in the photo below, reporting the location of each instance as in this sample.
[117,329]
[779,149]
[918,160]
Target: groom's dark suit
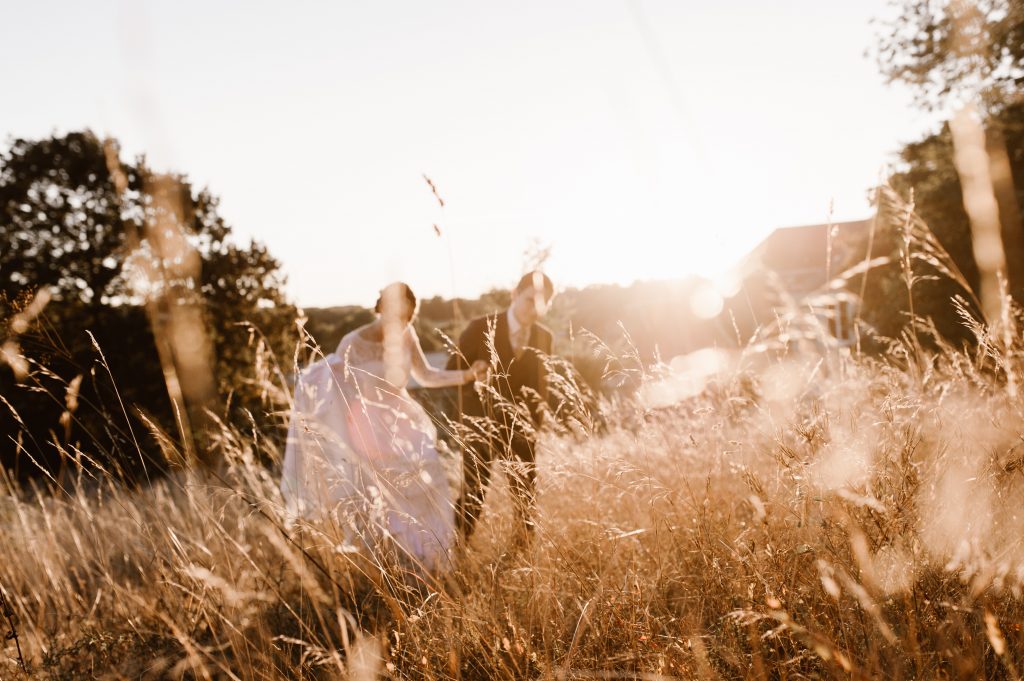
[500,430]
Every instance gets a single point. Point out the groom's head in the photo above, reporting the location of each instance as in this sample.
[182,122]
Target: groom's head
[532,297]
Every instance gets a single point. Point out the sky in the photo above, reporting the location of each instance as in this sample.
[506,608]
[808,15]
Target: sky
[638,139]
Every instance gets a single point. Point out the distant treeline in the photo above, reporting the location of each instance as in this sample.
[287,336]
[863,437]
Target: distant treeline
[654,318]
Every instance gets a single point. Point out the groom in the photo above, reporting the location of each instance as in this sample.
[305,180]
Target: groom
[503,417]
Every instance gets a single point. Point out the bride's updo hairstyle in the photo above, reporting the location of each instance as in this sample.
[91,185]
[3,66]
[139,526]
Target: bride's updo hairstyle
[395,297]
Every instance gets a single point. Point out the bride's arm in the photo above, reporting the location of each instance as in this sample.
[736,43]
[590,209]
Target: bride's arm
[426,375]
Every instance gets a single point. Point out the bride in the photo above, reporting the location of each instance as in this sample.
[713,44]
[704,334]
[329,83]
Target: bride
[361,452]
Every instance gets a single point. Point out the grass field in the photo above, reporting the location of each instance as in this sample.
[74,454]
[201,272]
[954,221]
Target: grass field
[812,513]
[820,518]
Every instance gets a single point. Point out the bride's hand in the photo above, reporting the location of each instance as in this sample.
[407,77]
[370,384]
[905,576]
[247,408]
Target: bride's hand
[478,371]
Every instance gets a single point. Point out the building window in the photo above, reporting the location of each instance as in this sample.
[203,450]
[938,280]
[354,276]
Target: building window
[840,319]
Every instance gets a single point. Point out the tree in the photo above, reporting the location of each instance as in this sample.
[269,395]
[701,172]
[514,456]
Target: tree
[955,54]
[956,50]
[143,278]
[926,173]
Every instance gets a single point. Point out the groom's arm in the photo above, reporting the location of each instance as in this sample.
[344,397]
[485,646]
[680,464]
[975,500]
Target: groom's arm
[545,344]
[468,348]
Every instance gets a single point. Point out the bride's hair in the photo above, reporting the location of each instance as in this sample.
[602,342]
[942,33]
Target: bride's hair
[395,291]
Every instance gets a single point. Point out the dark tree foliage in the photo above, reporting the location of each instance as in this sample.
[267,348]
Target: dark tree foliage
[926,173]
[952,53]
[66,229]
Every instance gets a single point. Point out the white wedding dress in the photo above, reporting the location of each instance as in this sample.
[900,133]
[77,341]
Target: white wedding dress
[361,452]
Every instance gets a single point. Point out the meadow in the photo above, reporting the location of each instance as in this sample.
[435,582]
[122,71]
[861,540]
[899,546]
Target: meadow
[829,519]
[806,512]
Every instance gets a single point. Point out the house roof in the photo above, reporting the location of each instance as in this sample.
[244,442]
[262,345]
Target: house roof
[801,252]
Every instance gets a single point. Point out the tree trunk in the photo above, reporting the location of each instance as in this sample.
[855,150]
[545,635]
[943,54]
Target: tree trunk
[1009,210]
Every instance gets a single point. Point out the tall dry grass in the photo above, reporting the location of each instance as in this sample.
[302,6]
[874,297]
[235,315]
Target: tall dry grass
[806,515]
